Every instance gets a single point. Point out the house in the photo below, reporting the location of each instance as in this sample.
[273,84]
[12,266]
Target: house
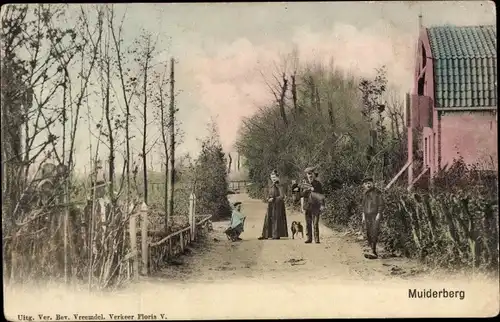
[452,111]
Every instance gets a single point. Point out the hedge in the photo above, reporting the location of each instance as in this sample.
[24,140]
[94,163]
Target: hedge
[448,229]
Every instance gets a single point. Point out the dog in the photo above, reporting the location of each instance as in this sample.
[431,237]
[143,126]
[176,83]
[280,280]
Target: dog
[296,229]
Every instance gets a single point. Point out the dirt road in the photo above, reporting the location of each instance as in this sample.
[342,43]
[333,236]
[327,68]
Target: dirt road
[289,259]
[269,279]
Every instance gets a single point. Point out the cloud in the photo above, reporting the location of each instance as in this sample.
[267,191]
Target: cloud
[230,84]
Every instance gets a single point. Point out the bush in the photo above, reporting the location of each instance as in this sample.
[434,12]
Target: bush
[211,179]
[445,229]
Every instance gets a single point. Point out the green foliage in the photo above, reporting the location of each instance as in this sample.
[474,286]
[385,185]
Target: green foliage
[334,122]
[211,185]
[449,227]
[329,128]
[326,130]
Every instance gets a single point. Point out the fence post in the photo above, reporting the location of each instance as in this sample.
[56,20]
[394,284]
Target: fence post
[144,238]
[192,213]
[133,245]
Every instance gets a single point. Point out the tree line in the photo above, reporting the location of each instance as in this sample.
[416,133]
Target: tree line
[352,127]
[71,72]
[347,126]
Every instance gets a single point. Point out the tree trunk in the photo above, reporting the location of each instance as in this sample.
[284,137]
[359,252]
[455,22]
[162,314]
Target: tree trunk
[294,94]
[145,123]
[318,100]
[164,125]
[282,99]
[171,169]
[230,162]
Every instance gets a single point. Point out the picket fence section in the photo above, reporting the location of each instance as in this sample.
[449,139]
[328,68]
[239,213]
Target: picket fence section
[154,254]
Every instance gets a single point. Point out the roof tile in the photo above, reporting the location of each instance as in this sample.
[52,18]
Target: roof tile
[464,65]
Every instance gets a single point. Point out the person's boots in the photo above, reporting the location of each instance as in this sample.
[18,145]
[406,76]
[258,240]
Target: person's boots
[374,250]
[373,253]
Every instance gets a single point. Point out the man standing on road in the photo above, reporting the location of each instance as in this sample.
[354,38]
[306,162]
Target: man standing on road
[373,204]
[314,203]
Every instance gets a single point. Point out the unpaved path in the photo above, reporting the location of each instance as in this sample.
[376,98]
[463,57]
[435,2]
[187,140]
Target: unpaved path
[336,256]
[285,278]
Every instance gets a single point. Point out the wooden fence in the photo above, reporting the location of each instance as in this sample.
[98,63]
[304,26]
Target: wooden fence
[154,253]
[105,245]
[238,185]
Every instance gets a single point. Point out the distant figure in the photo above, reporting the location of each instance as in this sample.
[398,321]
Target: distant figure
[237,223]
[275,225]
[373,204]
[314,204]
[295,194]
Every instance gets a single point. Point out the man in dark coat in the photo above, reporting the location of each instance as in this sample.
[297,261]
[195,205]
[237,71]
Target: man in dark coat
[373,204]
[314,203]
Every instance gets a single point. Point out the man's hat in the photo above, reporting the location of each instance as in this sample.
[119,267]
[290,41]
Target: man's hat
[368,179]
[311,170]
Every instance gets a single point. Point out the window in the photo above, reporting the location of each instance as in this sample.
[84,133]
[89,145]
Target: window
[421,83]
[426,152]
[434,148]
[424,57]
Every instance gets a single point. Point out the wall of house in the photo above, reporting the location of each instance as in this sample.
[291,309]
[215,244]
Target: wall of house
[428,147]
[471,135]
[422,101]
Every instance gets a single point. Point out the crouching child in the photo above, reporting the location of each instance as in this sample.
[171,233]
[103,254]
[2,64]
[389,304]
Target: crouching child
[236,226]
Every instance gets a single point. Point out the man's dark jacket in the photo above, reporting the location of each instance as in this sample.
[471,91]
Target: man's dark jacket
[373,202]
[308,202]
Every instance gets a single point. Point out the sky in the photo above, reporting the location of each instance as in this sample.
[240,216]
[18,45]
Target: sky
[222,50]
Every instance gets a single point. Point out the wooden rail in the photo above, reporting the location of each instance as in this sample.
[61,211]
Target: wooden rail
[238,185]
[170,246]
[207,217]
[154,254]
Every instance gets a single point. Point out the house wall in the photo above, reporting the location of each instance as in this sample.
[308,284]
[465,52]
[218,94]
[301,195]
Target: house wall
[423,107]
[427,147]
[472,135]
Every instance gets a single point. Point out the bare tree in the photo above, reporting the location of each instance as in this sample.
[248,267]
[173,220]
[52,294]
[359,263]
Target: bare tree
[395,111]
[145,49]
[171,168]
[163,115]
[128,84]
[229,163]
[279,88]
[30,84]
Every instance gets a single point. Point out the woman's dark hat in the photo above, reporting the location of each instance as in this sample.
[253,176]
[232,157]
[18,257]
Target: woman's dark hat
[368,179]
[237,203]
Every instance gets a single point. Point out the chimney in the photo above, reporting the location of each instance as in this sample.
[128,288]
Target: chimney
[420,21]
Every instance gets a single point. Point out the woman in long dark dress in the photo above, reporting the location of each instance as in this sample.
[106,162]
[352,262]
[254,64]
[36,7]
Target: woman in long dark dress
[275,225]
